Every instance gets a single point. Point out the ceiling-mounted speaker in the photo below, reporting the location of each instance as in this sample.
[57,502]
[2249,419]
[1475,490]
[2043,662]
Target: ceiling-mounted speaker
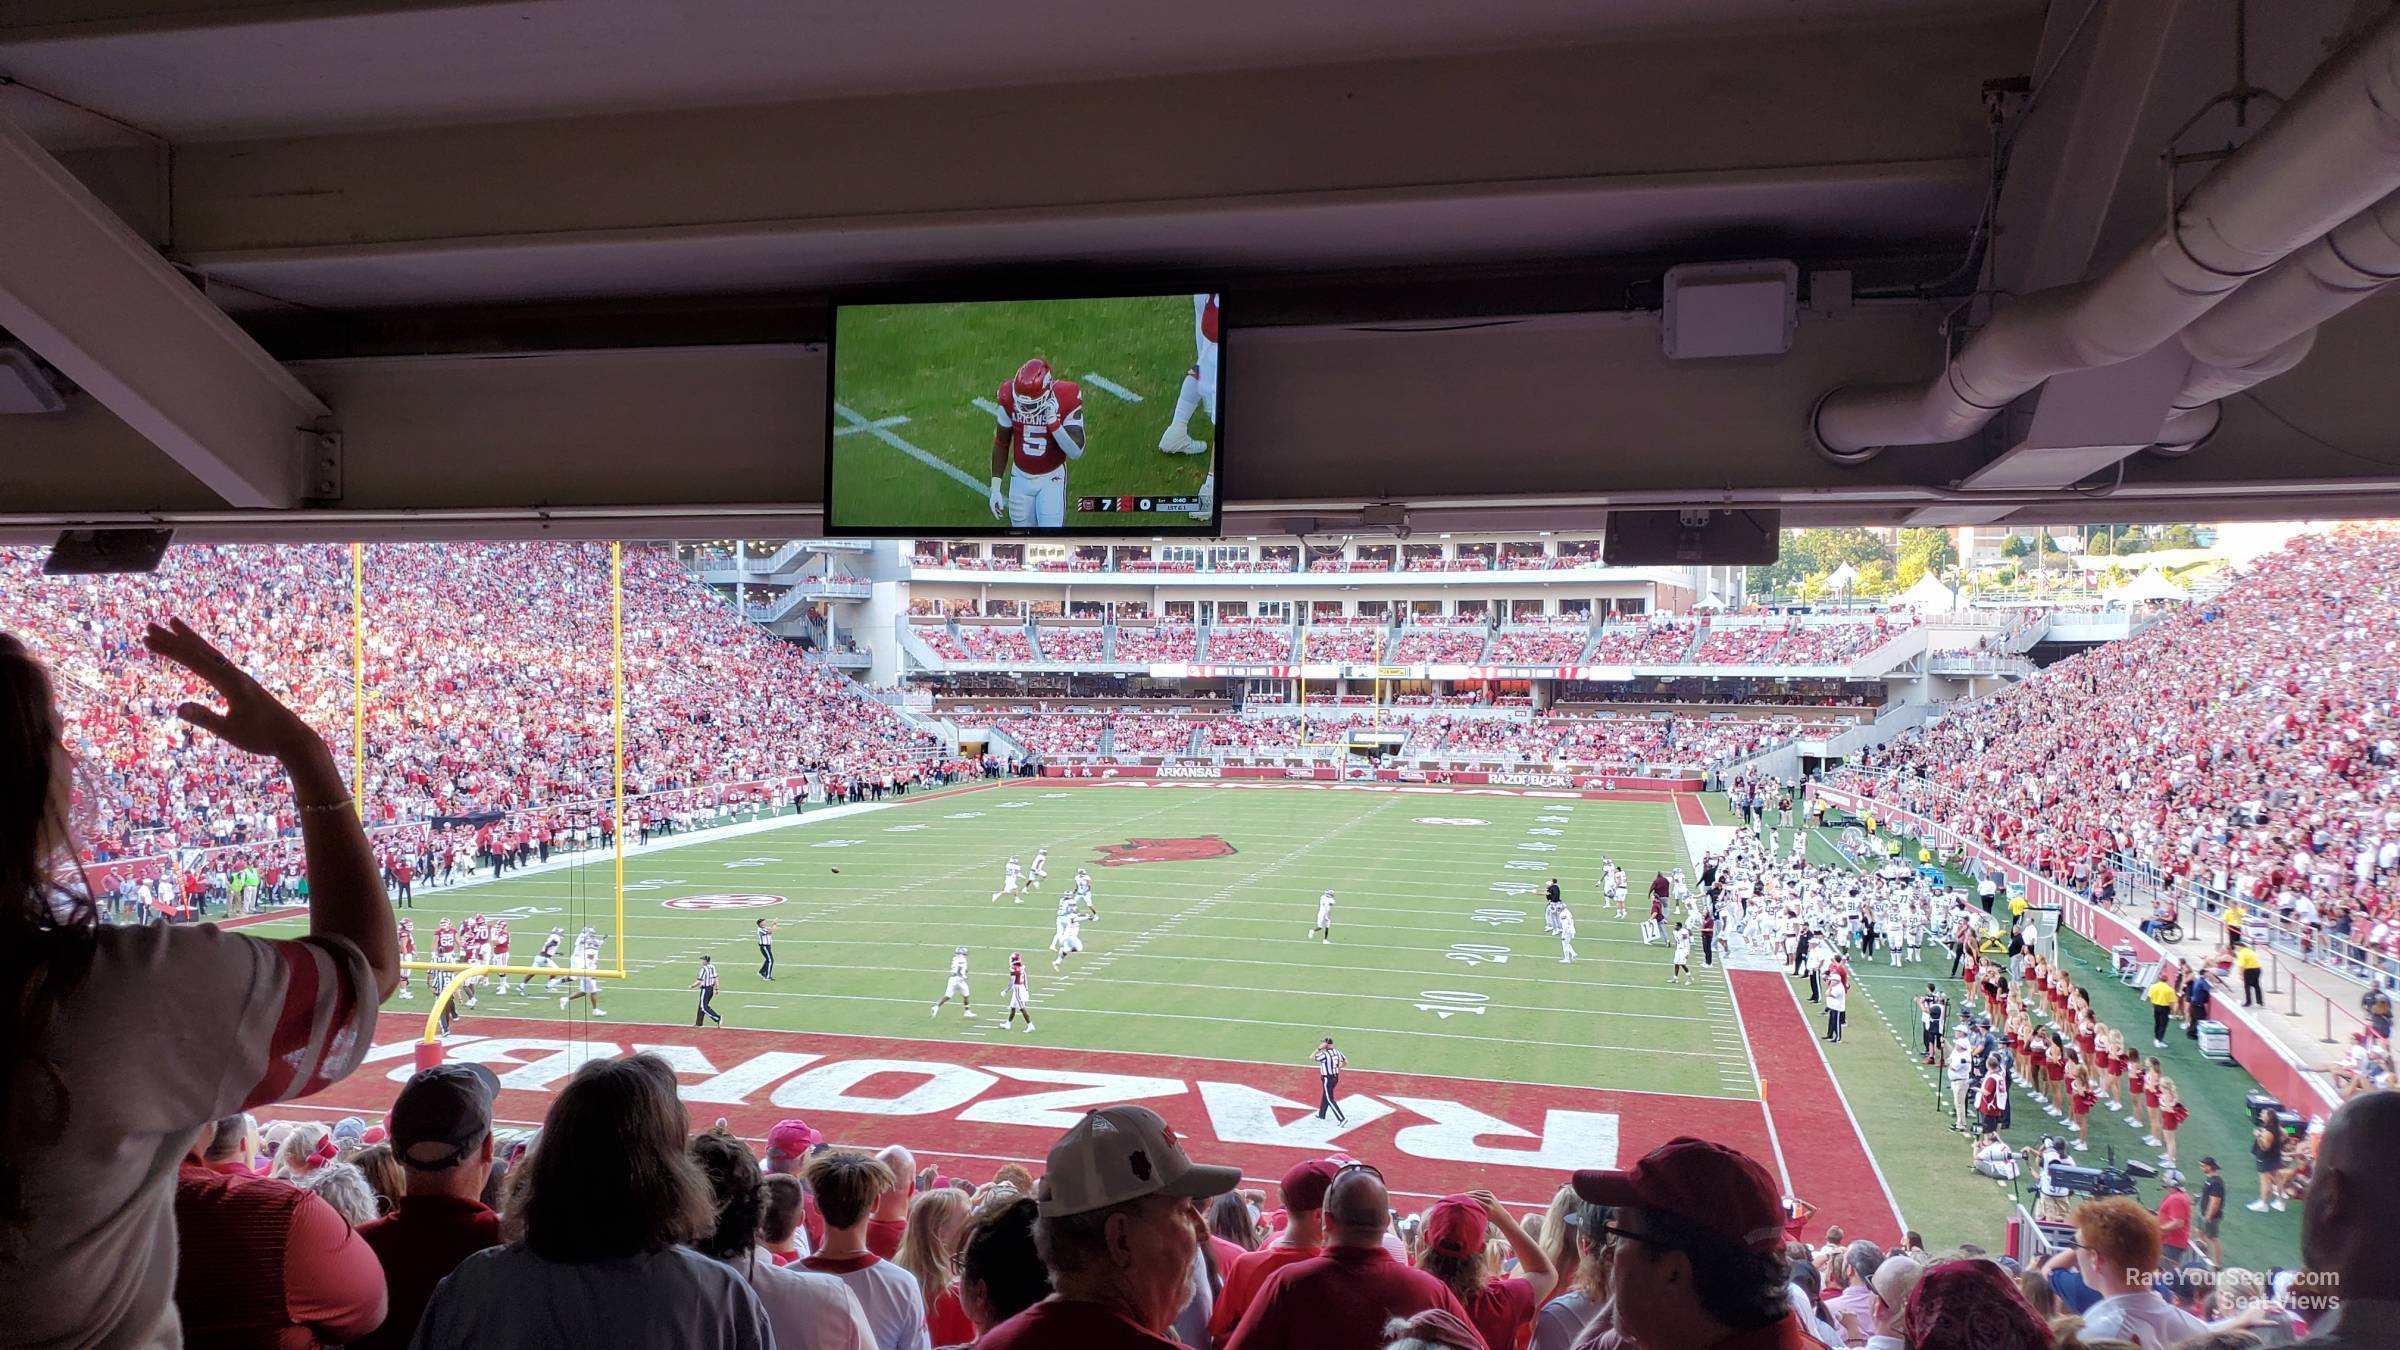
[1690,538]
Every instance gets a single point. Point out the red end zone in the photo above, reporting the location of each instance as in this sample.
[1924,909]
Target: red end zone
[979,1104]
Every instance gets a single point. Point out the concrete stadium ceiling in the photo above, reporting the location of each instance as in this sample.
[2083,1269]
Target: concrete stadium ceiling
[564,265]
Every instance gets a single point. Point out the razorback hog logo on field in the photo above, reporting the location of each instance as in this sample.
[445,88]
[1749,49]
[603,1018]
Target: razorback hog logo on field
[1164,850]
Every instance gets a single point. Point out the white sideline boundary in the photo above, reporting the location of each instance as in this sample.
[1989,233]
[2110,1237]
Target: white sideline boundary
[853,421]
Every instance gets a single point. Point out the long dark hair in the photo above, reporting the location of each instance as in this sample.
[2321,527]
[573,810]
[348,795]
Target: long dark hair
[609,1176]
[47,933]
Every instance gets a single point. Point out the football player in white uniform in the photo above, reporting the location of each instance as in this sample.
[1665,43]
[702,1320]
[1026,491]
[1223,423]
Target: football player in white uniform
[1016,993]
[1040,871]
[958,984]
[587,957]
[1083,895]
[1566,935]
[1066,938]
[547,957]
[1199,389]
[1041,428]
[1324,927]
[1682,973]
[1612,884]
[1012,882]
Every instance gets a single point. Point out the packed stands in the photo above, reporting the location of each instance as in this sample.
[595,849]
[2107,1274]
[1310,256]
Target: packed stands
[1654,642]
[1539,643]
[1076,644]
[1230,642]
[1139,733]
[1357,642]
[1450,644]
[1157,642]
[1053,734]
[996,642]
[1834,643]
[2249,746]
[1732,643]
[487,671]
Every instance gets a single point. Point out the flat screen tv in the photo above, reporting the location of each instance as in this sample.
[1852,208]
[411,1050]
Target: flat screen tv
[1091,416]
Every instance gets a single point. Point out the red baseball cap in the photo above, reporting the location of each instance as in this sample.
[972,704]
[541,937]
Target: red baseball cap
[1456,1226]
[793,1138]
[1721,1189]
[1305,1185]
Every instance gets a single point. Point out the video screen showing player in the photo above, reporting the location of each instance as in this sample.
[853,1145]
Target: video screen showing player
[1095,416]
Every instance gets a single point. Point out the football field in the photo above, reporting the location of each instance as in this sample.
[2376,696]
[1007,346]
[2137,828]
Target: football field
[1476,1057]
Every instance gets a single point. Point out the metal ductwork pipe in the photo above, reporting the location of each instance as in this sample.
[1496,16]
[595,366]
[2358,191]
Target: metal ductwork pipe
[2268,326]
[2333,151]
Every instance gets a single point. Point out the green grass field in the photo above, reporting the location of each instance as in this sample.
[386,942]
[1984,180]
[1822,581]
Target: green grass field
[1200,966]
[1203,958]
[928,364]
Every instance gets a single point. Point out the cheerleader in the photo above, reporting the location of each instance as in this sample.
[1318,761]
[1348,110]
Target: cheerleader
[2112,1067]
[2081,1097]
[2171,1114]
[2054,1069]
[2147,1085]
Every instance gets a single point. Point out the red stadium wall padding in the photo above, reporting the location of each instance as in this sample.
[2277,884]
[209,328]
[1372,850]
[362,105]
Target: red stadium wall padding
[2255,1049]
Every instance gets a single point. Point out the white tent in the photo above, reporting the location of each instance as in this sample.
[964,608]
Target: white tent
[1842,578]
[2150,585]
[1928,596]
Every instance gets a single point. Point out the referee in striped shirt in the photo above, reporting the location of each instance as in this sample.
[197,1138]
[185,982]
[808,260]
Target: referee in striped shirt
[706,983]
[1329,1070]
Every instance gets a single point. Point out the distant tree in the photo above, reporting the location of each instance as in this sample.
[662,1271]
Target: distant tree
[1874,578]
[2101,544]
[2177,536]
[2132,543]
[2016,547]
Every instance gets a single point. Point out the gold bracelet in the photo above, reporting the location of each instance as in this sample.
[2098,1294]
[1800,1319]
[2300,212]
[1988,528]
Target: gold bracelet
[343,805]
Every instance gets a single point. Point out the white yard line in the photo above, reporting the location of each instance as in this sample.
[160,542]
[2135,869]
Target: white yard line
[880,423]
[1111,386]
[852,420]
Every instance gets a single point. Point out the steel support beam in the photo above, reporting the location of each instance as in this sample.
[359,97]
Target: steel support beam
[85,291]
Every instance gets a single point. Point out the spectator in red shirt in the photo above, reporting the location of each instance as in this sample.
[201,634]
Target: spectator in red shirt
[1303,1236]
[441,1127]
[1698,1258]
[264,1263]
[2175,1224]
[1341,1299]
[890,1223]
[1119,1234]
[1499,1306]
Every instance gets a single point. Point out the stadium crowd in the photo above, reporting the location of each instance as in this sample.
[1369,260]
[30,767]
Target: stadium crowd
[141,1203]
[1450,644]
[2248,747]
[1262,641]
[487,695]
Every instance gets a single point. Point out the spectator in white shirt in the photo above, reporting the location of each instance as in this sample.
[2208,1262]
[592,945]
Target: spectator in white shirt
[803,1307]
[598,1213]
[2346,1224]
[118,1043]
[846,1186]
[1895,1279]
[2118,1255]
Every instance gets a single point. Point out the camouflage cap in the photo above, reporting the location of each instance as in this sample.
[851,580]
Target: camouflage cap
[1121,1153]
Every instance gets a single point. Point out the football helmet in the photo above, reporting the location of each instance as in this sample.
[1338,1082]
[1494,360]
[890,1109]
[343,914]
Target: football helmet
[958,951]
[1035,400]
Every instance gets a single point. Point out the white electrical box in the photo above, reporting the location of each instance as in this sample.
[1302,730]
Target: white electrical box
[1730,309]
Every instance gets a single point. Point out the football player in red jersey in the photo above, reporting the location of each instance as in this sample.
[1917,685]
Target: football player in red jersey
[1199,389]
[1041,428]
